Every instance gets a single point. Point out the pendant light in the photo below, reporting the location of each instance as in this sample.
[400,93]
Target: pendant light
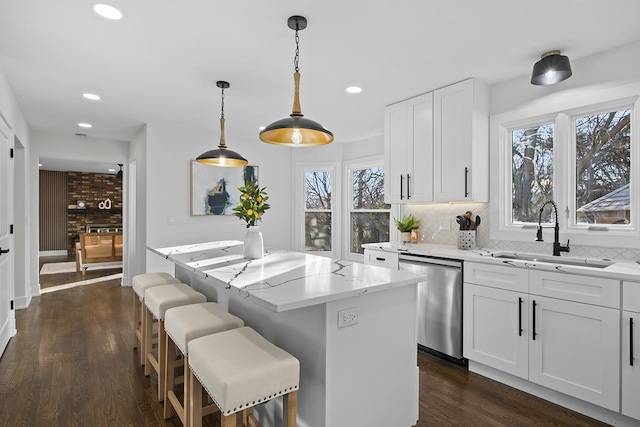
[222,156]
[295,130]
[119,173]
[551,68]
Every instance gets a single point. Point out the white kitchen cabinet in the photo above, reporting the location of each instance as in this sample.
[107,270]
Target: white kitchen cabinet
[574,349]
[381,258]
[495,325]
[408,147]
[437,146]
[631,349]
[521,321]
[461,143]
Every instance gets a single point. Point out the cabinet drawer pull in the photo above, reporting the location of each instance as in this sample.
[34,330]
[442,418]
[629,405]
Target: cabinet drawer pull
[631,341]
[408,187]
[466,182]
[380,259]
[401,186]
[519,316]
[534,320]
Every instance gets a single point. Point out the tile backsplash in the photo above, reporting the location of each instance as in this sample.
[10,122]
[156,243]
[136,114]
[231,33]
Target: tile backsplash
[438,225]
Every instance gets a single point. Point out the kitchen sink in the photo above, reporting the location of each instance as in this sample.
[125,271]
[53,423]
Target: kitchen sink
[580,262]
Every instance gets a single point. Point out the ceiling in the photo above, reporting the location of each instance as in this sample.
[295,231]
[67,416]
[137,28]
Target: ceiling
[159,64]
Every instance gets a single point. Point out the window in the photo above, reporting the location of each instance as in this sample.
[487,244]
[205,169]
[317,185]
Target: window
[580,157]
[603,167]
[318,211]
[368,214]
[532,170]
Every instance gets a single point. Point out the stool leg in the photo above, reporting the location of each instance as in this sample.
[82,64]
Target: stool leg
[148,340]
[162,338]
[143,322]
[290,407]
[169,374]
[136,320]
[195,401]
[228,421]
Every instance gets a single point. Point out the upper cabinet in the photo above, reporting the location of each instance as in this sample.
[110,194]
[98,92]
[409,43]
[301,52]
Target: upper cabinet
[437,146]
[408,145]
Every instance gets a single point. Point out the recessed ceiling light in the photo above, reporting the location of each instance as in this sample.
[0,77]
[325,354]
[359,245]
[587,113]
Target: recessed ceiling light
[85,125]
[39,165]
[262,127]
[112,170]
[107,11]
[91,96]
[354,89]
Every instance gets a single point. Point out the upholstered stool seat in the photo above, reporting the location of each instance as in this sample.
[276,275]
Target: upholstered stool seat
[140,284]
[182,325]
[157,301]
[240,369]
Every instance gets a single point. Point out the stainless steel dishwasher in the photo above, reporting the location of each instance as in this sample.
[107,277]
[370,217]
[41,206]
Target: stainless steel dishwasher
[439,304]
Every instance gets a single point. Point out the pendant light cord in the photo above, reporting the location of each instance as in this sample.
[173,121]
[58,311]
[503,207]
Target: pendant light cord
[296,59]
[222,107]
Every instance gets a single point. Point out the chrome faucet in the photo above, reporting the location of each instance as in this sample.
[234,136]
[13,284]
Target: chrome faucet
[557,247]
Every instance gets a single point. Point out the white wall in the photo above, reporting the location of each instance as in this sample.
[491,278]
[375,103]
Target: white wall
[170,150]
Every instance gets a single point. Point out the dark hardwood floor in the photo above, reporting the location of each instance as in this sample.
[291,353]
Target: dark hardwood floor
[72,364]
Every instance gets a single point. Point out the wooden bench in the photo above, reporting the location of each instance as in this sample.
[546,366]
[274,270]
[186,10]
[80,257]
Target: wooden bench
[98,250]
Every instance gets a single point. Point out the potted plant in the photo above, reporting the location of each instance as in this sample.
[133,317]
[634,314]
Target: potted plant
[405,226]
[250,208]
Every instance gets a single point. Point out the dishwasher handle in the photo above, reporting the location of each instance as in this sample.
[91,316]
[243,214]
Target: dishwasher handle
[443,262]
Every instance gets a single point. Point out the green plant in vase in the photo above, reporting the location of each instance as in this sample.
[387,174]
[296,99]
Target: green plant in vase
[406,225]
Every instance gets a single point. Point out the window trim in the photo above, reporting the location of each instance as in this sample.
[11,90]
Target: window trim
[349,167]
[563,109]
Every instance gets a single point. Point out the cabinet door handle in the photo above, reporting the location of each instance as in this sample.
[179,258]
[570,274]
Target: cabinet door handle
[631,341]
[380,259]
[519,316]
[408,187]
[534,320]
[401,186]
[466,182]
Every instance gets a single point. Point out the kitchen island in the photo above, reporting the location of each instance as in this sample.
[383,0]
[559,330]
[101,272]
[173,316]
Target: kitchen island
[351,326]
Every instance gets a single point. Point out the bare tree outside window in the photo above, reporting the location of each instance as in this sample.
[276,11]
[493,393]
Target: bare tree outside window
[318,211]
[369,214]
[532,171]
[603,168]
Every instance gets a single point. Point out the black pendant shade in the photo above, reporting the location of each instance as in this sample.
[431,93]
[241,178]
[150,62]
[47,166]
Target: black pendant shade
[295,130]
[551,68]
[222,156]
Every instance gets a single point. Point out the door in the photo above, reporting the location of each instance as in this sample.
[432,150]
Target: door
[495,328]
[395,152]
[452,126]
[6,244]
[575,349]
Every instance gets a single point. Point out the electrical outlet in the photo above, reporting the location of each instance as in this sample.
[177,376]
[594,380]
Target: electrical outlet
[444,223]
[347,317]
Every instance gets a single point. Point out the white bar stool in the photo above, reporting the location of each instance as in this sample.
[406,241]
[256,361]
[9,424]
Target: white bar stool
[141,283]
[158,300]
[182,325]
[240,369]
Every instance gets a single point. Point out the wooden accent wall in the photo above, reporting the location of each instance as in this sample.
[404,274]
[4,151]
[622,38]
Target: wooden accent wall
[53,210]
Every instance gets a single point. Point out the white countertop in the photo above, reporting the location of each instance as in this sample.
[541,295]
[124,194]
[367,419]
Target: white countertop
[622,270]
[283,280]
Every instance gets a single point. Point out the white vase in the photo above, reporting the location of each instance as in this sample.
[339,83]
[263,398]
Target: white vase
[253,243]
[405,236]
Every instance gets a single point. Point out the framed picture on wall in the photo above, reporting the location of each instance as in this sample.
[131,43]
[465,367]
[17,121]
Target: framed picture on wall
[214,189]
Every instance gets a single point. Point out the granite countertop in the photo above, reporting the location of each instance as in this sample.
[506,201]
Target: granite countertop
[622,270]
[283,280]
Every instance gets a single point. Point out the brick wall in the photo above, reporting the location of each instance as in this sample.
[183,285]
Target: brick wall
[93,188]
